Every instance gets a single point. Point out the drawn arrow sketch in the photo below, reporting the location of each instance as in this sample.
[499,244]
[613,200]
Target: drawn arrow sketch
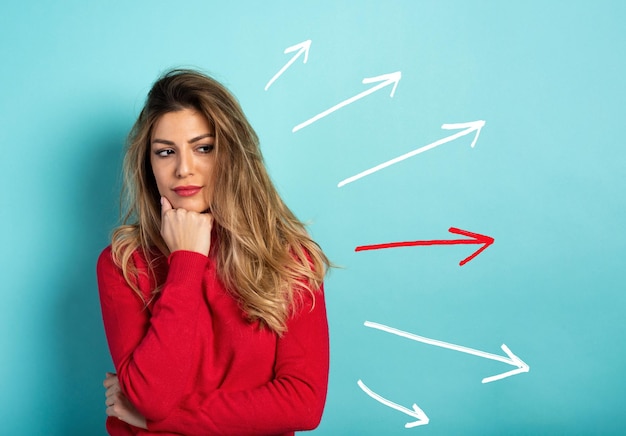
[477,238]
[385,80]
[303,47]
[511,360]
[473,126]
[416,413]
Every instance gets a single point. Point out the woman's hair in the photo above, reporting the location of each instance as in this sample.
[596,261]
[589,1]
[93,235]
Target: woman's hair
[264,255]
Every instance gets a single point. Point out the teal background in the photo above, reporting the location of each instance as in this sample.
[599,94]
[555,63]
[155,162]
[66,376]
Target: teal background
[546,179]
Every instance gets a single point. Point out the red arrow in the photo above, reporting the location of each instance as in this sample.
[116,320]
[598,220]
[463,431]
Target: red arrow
[477,239]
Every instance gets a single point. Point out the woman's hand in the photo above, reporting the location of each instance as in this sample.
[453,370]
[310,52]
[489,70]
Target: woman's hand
[119,406]
[185,230]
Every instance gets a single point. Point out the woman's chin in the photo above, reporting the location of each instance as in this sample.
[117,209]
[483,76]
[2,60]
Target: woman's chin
[192,206]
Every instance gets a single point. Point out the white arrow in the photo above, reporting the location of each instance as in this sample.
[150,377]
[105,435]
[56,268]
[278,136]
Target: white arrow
[511,360]
[469,128]
[303,47]
[385,80]
[416,413]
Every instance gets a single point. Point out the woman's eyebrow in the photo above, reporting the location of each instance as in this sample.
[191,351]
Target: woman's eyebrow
[192,140]
[197,138]
[162,141]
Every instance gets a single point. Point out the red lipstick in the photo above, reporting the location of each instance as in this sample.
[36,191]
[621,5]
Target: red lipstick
[187,191]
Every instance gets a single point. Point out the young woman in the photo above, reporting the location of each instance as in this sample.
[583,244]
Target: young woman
[212,296]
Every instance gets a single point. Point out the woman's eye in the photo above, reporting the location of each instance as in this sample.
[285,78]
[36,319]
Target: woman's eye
[206,148]
[164,153]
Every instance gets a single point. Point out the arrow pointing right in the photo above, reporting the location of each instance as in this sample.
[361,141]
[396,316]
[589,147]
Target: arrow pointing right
[473,126]
[385,80]
[476,238]
[511,360]
[416,413]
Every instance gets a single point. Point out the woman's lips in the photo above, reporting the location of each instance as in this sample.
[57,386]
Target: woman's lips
[187,191]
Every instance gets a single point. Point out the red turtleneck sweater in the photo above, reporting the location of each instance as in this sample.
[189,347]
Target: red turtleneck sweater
[193,364]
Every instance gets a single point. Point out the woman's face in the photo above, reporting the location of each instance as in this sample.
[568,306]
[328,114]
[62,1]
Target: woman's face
[183,159]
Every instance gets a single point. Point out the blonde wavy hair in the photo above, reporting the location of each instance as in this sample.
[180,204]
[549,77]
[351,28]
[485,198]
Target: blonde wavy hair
[264,255]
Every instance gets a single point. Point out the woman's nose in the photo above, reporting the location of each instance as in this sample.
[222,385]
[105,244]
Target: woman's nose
[184,166]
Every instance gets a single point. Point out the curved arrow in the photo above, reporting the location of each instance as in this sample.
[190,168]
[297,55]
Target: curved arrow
[511,360]
[303,47]
[416,413]
[385,80]
[470,127]
[477,238]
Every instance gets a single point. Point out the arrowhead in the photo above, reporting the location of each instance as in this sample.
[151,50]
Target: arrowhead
[470,127]
[418,413]
[478,239]
[388,79]
[515,361]
[304,46]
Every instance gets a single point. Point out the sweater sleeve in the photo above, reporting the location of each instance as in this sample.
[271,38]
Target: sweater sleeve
[153,363]
[294,400]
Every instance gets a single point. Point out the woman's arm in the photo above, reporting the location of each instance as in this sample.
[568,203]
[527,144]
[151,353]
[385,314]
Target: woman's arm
[153,353]
[294,400]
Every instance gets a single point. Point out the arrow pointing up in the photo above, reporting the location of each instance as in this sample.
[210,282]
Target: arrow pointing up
[473,126]
[477,238]
[303,47]
[385,80]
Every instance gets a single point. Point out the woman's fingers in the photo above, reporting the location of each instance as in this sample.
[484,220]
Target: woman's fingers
[165,206]
[185,230]
[110,380]
[119,407]
[112,386]
[113,395]
[111,400]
